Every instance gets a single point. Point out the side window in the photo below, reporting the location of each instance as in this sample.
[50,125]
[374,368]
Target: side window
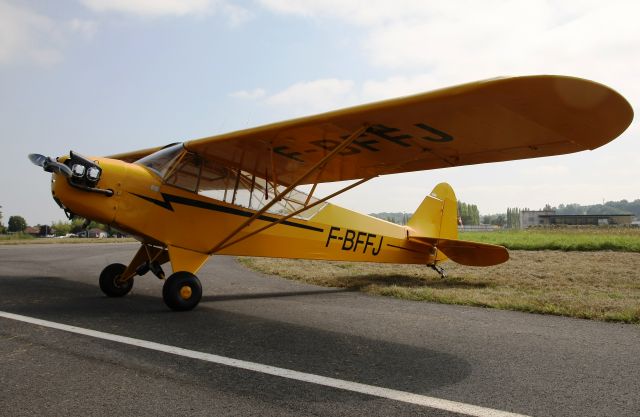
[186,174]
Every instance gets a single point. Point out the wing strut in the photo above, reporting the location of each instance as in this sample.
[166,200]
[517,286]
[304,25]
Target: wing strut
[319,165]
[288,216]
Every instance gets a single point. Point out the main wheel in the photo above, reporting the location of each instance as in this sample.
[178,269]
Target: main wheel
[109,281]
[182,291]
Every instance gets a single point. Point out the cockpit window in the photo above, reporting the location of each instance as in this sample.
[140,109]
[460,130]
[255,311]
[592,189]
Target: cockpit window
[186,172]
[162,161]
[180,168]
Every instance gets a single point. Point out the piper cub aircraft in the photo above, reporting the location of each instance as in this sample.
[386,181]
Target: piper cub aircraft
[239,193]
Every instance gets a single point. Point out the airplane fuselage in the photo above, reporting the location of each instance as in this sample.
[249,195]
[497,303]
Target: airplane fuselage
[164,215]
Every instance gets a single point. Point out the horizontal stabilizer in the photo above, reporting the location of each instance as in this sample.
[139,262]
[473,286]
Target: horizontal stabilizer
[467,253]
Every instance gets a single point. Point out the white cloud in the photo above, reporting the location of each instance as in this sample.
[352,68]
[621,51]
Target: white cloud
[397,86]
[510,38]
[26,36]
[236,14]
[86,28]
[361,12]
[462,41]
[314,96]
[29,37]
[151,7]
[156,8]
[255,94]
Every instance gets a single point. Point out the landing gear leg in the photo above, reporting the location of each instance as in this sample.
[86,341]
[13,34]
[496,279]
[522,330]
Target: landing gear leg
[440,270]
[148,258]
[116,280]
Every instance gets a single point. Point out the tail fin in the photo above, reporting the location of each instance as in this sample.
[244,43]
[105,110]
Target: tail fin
[437,216]
[435,223]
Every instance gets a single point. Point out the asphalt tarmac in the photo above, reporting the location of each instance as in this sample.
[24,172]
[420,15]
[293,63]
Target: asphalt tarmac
[527,364]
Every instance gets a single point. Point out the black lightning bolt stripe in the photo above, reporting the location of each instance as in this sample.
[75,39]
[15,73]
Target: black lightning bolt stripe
[167,199]
[403,248]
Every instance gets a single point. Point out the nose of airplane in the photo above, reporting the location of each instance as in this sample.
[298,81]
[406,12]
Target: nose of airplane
[84,187]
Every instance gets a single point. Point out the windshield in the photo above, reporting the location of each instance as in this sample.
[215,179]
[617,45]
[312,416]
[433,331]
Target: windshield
[160,162]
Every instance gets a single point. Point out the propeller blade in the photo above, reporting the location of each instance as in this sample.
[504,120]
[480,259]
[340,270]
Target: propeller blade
[49,164]
[37,159]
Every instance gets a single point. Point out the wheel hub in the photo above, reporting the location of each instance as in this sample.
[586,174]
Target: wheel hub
[186,292]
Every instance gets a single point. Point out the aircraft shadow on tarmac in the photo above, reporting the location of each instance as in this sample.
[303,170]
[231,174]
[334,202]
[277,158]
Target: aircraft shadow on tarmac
[241,336]
[360,281]
[255,296]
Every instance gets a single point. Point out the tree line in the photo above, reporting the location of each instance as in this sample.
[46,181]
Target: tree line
[609,207]
[470,215]
[18,224]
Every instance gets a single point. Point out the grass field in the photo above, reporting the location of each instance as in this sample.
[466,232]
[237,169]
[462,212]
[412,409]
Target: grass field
[565,239]
[578,278]
[592,285]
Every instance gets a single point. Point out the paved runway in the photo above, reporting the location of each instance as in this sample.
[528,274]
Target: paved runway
[527,364]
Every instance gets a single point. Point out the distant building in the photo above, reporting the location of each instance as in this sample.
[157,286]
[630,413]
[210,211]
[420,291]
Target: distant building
[530,218]
[33,231]
[550,218]
[586,219]
[94,233]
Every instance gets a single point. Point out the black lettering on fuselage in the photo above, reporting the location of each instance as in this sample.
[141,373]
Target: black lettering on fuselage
[368,242]
[347,244]
[375,252]
[353,240]
[358,241]
[331,235]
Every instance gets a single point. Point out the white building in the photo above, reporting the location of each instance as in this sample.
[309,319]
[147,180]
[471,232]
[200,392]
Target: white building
[532,217]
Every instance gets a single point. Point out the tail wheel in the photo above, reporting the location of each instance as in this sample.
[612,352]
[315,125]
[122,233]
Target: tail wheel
[182,291]
[110,283]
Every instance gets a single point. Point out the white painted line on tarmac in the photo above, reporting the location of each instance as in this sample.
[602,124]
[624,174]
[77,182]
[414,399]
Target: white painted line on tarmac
[391,394]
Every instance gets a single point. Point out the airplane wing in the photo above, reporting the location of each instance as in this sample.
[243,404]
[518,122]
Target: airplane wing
[487,121]
[135,155]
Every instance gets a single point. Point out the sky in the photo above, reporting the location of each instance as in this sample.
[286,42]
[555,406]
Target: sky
[107,76]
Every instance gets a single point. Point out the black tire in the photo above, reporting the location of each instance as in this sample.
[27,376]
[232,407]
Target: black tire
[182,291]
[109,281]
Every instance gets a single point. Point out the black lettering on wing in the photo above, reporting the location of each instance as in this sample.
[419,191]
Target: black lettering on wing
[440,136]
[388,133]
[282,150]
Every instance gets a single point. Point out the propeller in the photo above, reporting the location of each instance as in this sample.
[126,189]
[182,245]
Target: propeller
[37,159]
[49,164]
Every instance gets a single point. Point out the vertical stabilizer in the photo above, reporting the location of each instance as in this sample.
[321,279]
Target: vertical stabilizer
[435,224]
[437,216]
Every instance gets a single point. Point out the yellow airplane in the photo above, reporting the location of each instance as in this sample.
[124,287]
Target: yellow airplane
[236,193]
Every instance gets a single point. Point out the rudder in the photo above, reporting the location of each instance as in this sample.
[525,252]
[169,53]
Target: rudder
[437,216]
